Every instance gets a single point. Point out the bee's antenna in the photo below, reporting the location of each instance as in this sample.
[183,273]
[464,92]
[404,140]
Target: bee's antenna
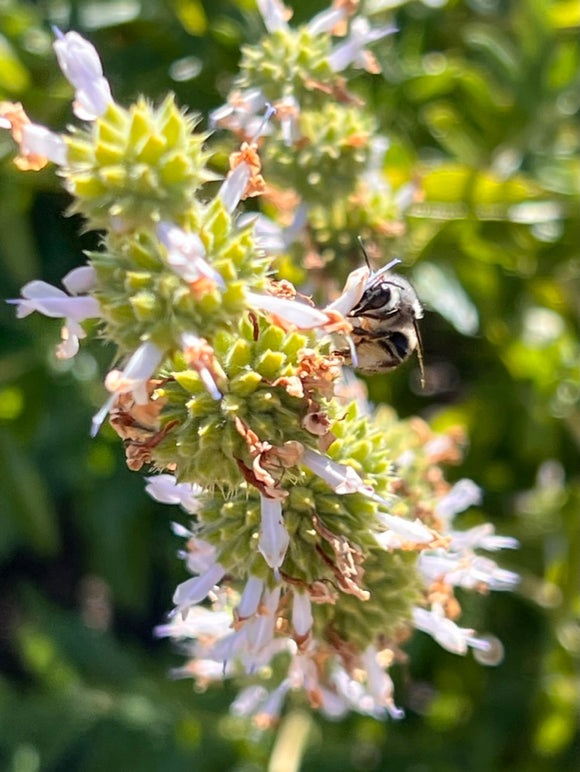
[420,352]
[362,246]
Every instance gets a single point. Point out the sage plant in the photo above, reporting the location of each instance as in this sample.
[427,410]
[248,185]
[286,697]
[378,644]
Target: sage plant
[318,533]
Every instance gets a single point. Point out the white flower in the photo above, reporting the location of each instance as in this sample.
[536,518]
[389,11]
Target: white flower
[186,254]
[272,237]
[289,111]
[165,489]
[400,531]
[250,599]
[299,314]
[464,494]
[483,537]
[352,51]
[274,13]
[255,643]
[380,684]
[233,187]
[39,141]
[53,302]
[199,354]
[269,711]
[199,556]
[302,620]
[465,570]
[341,478]
[447,634]
[486,571]
[248,700]
[192,591]
[274,539]
[240,113]
[326,20]
[199,621]
[133,379]
[204,670]
[82,67]
[357,283]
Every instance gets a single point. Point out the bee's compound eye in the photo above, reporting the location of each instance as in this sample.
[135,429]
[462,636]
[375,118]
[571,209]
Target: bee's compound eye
[377,300]
[391,297]
[385,294]
[401,344]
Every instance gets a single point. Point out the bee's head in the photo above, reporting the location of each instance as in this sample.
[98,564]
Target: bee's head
[388,297]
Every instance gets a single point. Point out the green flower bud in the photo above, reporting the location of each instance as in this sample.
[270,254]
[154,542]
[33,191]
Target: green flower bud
[139,165]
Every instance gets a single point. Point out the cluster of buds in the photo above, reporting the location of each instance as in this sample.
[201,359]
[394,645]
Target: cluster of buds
[319,531]
[323,157]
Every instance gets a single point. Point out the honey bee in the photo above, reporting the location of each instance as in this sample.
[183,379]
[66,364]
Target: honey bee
[384,311]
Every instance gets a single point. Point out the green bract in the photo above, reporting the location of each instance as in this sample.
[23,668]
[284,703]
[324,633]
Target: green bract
[136,166]
[206,444]
[288,63]
[141,296]
[332,152]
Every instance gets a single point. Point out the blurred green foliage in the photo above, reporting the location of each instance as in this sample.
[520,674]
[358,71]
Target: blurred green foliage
[480,100]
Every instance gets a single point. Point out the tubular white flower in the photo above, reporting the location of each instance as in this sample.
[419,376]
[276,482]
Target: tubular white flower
[255,644]
[81,66]
[38,140]
[272,237]
[302,671]
[326,20]
[80,280]
[133,378]
[192,591]
[233,187]
[341,478]
[240,114]
[250,599]
[352,50]
[269,711]
[302,316]
[380,684]
[205,670]
[192,344]
[408,530]
[248,700]
[447,634]
[355,694]
[486,571]
[439,565]
[289,110]
[331,704]
[483,537]
[302,620]
[199,556]
[165,489]
[186,254]
[352,292]
[465,570]
[274,14]
[274,539]
[260,630]
[53,302]
[464,494]
[199,622]
[268,234]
